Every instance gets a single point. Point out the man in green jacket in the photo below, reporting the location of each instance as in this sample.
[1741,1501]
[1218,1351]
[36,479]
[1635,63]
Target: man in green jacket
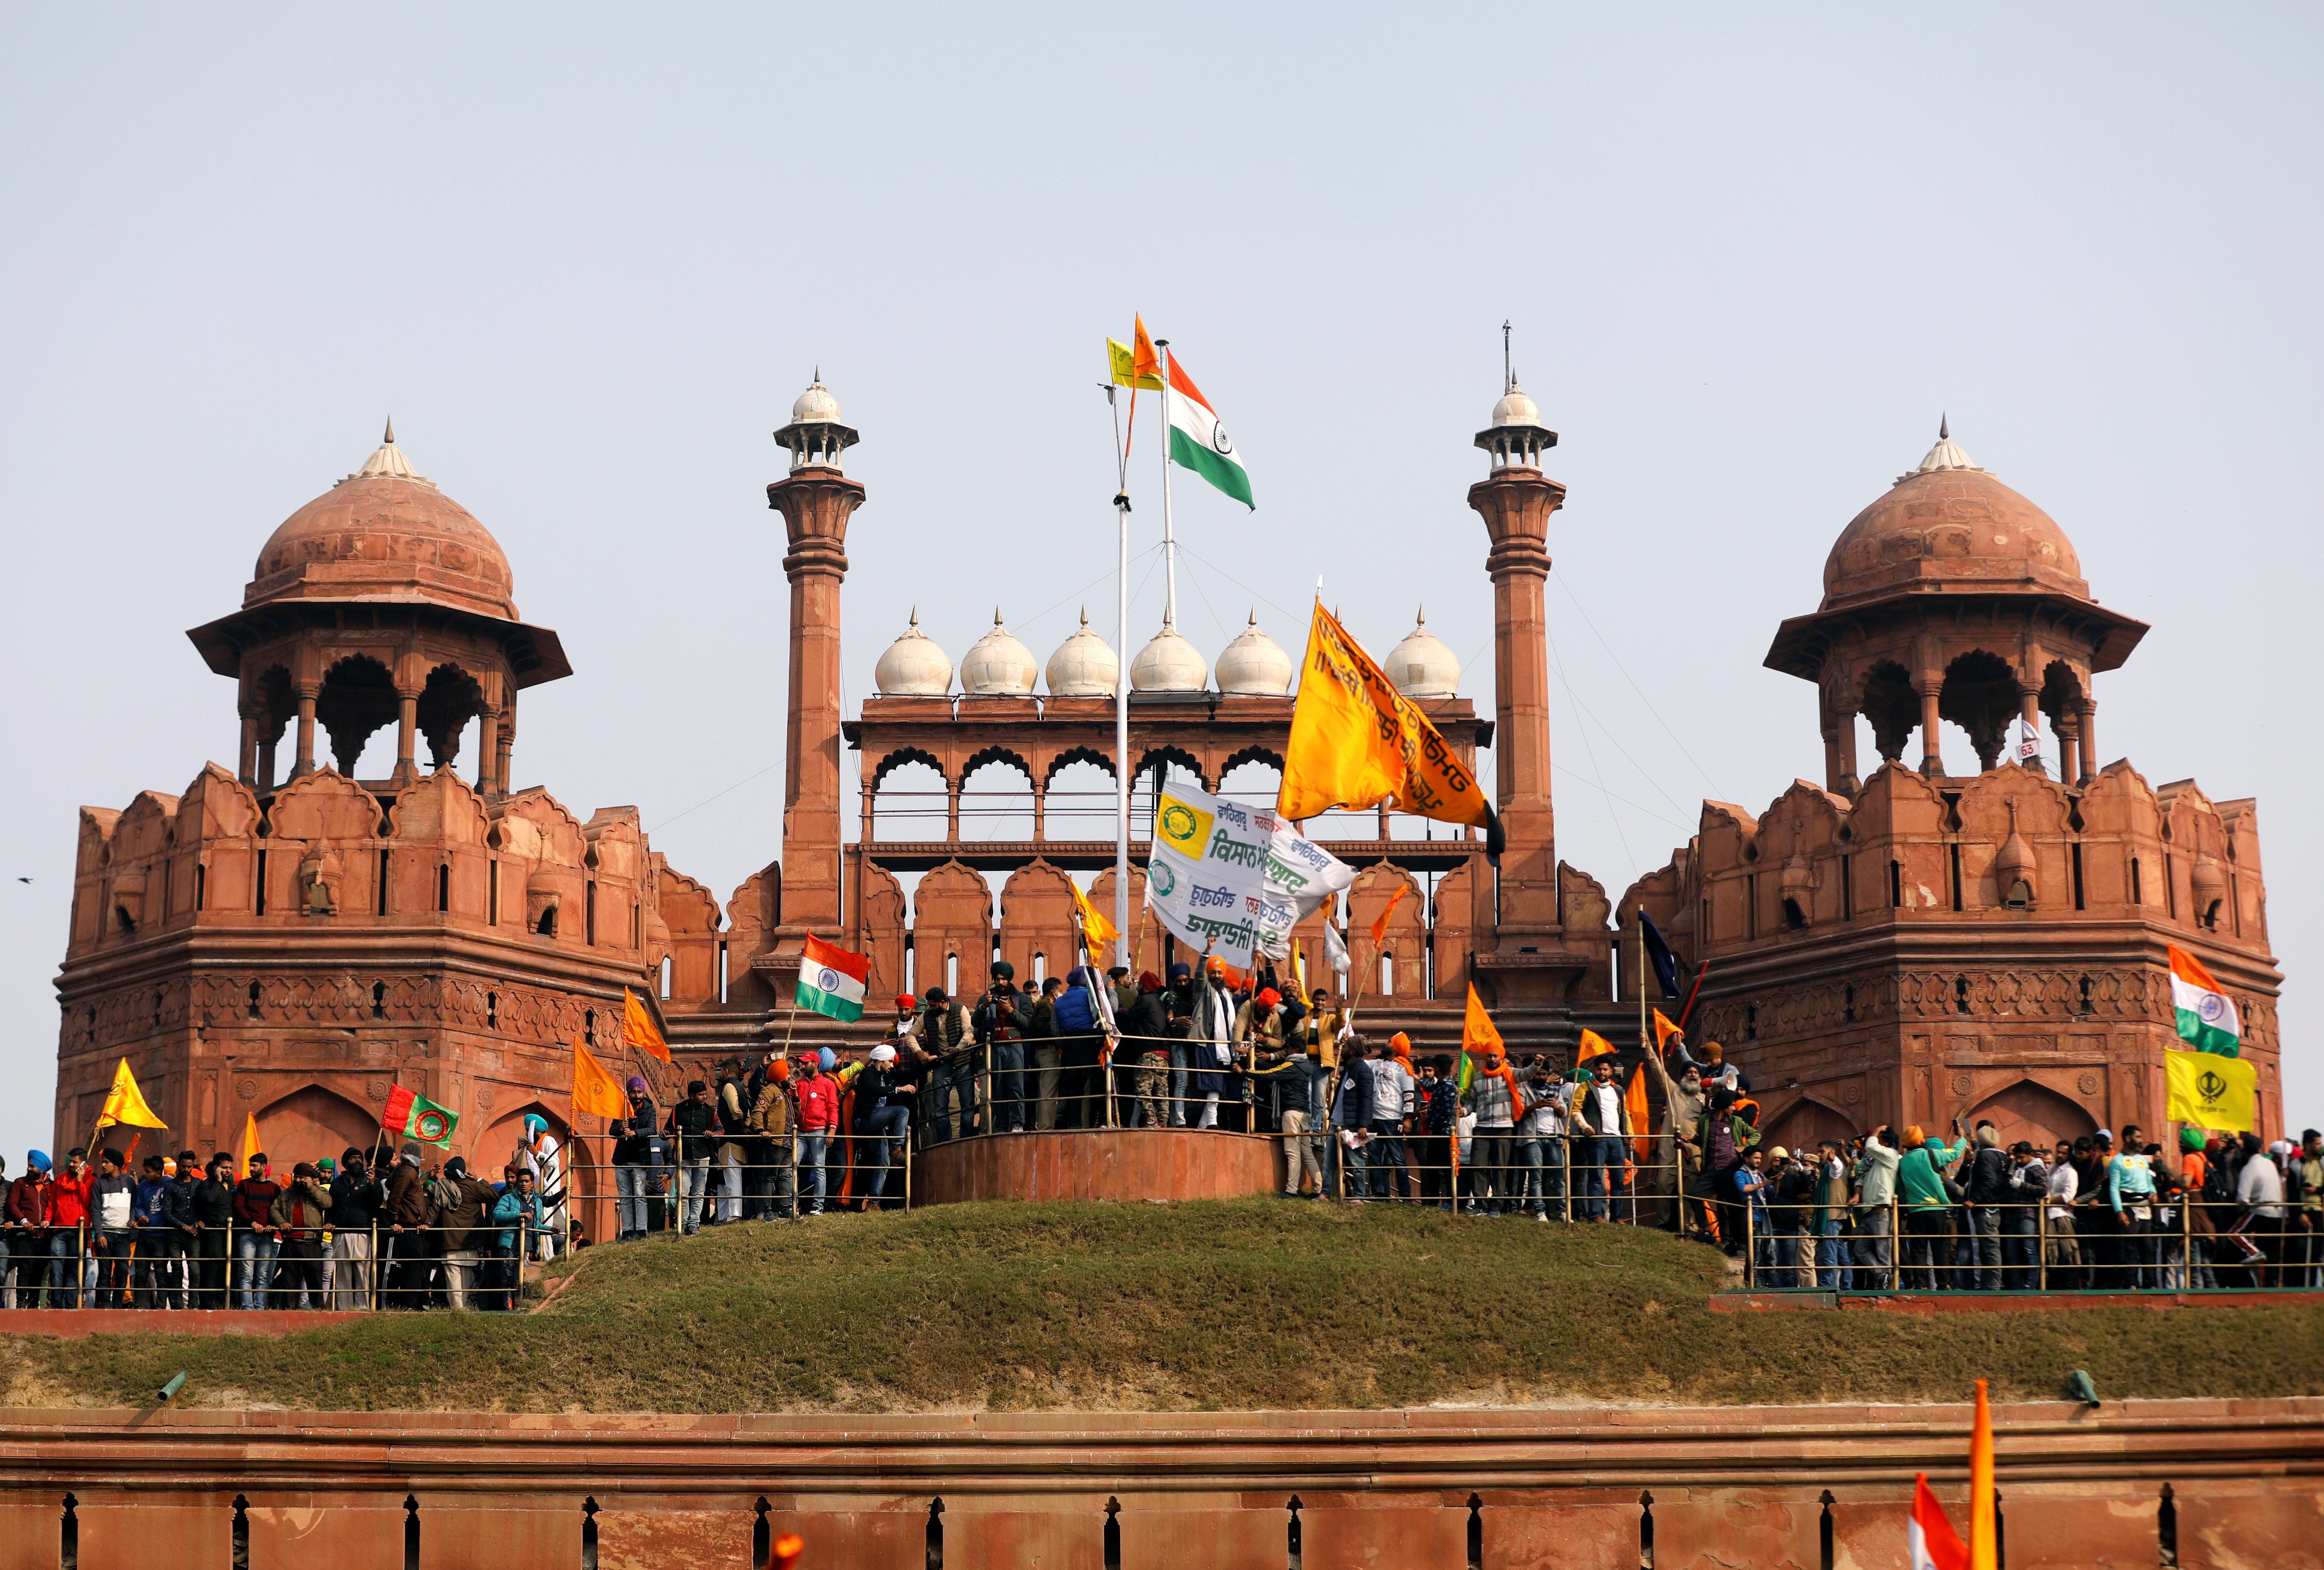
[1928,1211]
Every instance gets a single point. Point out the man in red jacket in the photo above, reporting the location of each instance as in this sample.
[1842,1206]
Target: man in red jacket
[30,1200]
[818,1121]
[73,1266]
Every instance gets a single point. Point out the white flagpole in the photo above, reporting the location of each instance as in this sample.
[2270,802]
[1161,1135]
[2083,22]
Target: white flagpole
[1122,760]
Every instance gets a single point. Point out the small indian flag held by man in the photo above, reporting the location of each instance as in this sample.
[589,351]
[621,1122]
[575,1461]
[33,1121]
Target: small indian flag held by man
[2207,1019]
[831,980]
[1198,441]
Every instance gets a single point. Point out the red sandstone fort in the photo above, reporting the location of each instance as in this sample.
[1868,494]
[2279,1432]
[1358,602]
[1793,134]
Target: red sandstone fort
[1930,937]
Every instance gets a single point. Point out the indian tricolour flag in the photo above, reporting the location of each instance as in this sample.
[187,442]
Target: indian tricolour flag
[1198,441]
[2206,1019]
[831,980]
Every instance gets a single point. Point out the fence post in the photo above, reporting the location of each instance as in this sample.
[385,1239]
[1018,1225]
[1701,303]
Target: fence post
[1750,1245]
[2187,1241]
[1895,1244]
[2041,1242]
[371,1287]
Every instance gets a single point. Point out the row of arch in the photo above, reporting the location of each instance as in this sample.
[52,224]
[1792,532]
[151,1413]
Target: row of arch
[2025,1110]
[1054,763]
[1980,691]
[359,696]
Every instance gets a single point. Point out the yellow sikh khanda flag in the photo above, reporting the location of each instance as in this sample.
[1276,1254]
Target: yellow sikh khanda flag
[126,1104]
[2212,1092]
[595,1091]
[1357,742]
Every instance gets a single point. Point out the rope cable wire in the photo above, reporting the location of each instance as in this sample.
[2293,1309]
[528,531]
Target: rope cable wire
[1557,666]
[1649,703]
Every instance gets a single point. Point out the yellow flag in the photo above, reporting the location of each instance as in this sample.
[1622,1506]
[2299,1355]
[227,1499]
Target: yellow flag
[248,1145]
[1593,1045]
[1357,742]
[595,1091]
[126,1104]
[1095,928]
[2213,1091]
[1139,367]
[638,1028]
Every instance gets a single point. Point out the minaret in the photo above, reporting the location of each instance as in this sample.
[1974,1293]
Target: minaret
[1516,500]
[816,499]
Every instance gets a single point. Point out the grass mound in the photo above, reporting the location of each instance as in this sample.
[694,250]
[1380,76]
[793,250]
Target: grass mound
[1247,1304]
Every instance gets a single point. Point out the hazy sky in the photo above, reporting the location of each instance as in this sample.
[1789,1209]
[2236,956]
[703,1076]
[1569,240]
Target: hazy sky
[587,257]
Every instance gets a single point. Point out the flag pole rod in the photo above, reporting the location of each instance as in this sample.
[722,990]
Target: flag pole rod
[1169,538]
[1122,764]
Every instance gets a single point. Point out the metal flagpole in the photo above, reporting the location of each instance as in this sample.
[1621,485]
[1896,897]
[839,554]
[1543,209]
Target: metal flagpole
[1169,540]
[1122,764]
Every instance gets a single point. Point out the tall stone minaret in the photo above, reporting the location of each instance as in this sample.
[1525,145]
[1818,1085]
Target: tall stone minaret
[1515,499]
[816,499]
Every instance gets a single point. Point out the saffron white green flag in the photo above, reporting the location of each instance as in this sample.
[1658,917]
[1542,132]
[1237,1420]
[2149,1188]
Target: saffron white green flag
[1198,441]
[2207,1019]
[831,980]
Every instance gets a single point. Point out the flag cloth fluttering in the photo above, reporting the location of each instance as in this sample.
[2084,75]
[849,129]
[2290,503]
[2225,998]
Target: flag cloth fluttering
[1095,928]
[1630,1073]
[831,980]
[1356,741]
[1198,441]
[2212,1091]
[1930,1538]
[638,1028]
[414,1116]
[1379,922]
[1335,948]
[1478,1036]
[126,1104]
[1135,367]
[2207,1019]
[1659,956]
[1663,1031]
[248,1144]
[596,1091]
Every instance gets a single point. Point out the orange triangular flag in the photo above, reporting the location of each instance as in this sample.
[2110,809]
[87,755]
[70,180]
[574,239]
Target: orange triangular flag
[638,1027]
[1143,360]
[1379,922]
[1981,1533]
[249,1145]
[1663,1031]
[1477,1034]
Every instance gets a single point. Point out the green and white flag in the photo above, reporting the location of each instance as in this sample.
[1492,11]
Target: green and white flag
[1198,441]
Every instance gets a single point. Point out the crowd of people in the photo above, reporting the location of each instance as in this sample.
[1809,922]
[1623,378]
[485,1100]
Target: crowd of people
[790,1136]
[179,1233]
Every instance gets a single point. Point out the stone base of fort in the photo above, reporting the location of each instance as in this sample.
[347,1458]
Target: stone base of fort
[1126,1164]
[2222,1483]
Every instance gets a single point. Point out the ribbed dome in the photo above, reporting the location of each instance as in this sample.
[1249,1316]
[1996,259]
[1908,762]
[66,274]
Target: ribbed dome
[1421,666]
[1952,524]
[1085,665]
[384,533]
[997,665]
[913,667]
[1168,664]
[1255,662]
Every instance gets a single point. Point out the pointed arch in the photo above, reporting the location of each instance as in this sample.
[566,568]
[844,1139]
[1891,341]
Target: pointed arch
[2032,1111]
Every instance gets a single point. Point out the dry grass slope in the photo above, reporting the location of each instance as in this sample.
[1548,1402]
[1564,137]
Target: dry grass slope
[1247,1304]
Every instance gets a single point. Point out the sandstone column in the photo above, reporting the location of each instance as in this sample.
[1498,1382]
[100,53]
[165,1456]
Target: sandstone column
[816,499]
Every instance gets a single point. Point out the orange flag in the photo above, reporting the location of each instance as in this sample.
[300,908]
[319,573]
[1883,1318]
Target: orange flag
[1593,1045]
[594,1090]
[1379,922]
[1143,360]
[1663,1031]
[1478,1033]
[638,1028]
[248,1144]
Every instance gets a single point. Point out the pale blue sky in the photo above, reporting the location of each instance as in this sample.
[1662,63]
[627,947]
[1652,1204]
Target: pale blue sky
[587,257]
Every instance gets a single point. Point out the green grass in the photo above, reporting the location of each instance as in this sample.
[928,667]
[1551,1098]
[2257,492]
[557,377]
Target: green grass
[1250,1304]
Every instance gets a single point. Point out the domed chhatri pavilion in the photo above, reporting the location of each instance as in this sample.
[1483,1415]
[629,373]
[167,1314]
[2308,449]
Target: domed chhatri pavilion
[1912,945]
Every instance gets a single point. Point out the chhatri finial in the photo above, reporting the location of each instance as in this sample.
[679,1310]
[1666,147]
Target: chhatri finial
[996,616]
[818,376]
[915,622]
[1085,618]
[389,439]
[1944,432]
[1420,617]
[1508,372]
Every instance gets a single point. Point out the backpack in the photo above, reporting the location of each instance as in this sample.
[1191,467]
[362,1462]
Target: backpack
[2218,1188]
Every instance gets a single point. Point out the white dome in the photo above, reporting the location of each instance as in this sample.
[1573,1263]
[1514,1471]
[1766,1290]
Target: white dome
[1515,409]
[1255,662]
[815,403]
[1421,666]
[1085,665]
[1168,664]
[913,665]
[997,665]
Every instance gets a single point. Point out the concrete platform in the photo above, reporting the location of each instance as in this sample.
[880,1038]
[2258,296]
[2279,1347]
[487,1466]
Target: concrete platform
[1121,1164]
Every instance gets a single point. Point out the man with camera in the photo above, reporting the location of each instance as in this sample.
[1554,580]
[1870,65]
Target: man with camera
[1001,1022]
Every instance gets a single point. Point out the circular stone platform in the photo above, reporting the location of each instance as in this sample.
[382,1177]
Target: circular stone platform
[1126,1164]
